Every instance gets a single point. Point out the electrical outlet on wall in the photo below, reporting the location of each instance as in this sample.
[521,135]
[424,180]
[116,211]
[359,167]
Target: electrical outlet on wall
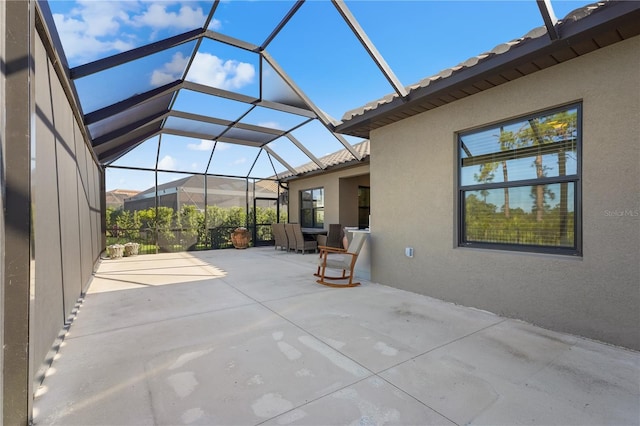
[408,251]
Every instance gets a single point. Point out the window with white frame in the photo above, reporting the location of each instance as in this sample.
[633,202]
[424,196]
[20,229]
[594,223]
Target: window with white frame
[519,184]
[312,208]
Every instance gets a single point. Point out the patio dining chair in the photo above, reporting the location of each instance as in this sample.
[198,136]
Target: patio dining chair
[280,236]
[291,239]
[302,244]
[333,238]
[340,259]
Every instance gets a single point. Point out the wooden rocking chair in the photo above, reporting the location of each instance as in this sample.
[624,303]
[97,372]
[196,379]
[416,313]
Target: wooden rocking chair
[337,258]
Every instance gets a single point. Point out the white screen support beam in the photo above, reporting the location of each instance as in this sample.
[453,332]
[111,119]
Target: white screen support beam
[370,47]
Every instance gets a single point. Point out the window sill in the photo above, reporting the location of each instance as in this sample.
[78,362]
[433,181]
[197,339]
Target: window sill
[543,255]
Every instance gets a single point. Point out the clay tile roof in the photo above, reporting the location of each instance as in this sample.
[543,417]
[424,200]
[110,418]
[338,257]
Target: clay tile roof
[334,159]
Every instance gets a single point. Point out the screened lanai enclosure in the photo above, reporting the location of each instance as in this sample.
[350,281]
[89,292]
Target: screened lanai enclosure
[205,114]
[222,90]
[210,102]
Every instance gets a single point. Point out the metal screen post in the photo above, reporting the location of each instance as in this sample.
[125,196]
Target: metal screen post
[17,49]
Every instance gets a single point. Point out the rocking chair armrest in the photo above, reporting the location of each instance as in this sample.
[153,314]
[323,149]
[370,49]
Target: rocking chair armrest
[332,249]
[324,254]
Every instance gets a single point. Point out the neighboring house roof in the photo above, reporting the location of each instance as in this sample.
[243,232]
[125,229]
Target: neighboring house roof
[580,32]
[124,192]
[116,197]
[338,159]
[195,183]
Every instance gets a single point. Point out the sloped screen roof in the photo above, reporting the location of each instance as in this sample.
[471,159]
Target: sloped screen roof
[252,88]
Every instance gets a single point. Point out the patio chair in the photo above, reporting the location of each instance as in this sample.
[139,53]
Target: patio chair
[280,236]
[339,258]
[333,237]
[302,244]
[291,239]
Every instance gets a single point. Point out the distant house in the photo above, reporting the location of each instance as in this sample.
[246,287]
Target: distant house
[221,191]
[115,199]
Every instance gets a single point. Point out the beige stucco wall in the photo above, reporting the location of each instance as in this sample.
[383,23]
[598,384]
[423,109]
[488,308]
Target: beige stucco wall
[349,198]
[413,204]
[339,204]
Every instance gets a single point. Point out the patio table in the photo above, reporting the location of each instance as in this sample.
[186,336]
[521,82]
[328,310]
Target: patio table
[313,232]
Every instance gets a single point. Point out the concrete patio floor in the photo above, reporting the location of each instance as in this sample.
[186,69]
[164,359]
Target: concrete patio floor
[246,337]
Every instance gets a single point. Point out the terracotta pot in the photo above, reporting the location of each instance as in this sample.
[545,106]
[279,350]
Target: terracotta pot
[240,238]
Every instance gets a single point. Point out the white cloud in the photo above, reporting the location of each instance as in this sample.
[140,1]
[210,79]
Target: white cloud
[206,69]
[94,28]
[194,167]
[204,145]
[170,71]
[103,18]
[215,24]
[157,17]
[212,71]
[271,125]
[167,163]
[83,33]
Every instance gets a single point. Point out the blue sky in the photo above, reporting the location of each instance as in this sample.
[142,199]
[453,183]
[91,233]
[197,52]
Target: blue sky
[316,49]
